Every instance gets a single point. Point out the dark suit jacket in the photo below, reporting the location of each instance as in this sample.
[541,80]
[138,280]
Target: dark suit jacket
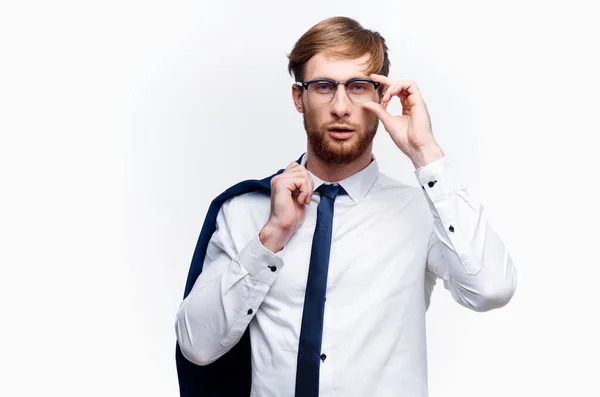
[230,375]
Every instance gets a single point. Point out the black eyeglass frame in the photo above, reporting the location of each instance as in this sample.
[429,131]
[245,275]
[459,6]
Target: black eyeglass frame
[305,84]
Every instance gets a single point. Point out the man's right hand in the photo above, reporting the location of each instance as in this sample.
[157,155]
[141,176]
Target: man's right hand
[290,191]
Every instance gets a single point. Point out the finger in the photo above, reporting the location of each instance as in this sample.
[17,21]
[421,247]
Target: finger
[297,171]
[299,186]
[301,171]
[291,165]
[311,185]
[305,190]
[405,88]
[386,81]
[387,96]
[379,111]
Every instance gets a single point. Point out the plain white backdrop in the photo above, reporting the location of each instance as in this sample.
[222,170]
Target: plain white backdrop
[121,120]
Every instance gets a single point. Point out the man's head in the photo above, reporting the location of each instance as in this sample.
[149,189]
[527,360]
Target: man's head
[338,49]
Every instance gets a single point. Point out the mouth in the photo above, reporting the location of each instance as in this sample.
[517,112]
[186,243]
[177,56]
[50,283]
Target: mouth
[340,132]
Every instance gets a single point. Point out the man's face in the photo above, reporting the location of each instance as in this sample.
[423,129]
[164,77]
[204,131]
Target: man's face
[321,120]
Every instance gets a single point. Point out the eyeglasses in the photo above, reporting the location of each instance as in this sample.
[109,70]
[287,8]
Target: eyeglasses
[321,91]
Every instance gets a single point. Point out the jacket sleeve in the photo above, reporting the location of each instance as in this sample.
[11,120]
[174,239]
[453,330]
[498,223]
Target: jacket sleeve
[226,295]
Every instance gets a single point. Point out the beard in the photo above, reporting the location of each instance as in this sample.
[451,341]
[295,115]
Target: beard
[340,151]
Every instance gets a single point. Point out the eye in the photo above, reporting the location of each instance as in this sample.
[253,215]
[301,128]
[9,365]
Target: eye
[323,86]
[358,87]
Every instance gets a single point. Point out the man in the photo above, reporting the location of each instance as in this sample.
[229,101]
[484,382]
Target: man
[332,270]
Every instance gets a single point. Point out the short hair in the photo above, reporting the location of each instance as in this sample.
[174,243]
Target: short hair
[341,38]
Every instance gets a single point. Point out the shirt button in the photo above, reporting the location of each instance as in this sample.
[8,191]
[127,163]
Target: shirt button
[250,311]
[451,228]
[323,357]
[273,268]
[430,184]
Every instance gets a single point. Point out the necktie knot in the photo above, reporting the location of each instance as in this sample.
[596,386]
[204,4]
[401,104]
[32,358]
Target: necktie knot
[330,191]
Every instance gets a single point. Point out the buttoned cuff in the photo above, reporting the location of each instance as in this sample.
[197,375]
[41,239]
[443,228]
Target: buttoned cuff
[438,180]
[260,262]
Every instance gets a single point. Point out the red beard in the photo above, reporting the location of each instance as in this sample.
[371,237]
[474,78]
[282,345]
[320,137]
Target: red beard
[340,152]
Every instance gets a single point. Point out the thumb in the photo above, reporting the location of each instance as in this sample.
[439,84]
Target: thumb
[379,110]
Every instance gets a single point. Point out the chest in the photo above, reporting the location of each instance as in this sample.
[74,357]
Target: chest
[378,253]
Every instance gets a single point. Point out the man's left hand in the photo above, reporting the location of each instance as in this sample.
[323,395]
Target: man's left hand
[411,131]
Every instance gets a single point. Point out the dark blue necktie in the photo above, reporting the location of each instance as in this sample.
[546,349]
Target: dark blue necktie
[311,332]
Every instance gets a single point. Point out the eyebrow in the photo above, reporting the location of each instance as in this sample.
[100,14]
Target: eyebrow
[329,78]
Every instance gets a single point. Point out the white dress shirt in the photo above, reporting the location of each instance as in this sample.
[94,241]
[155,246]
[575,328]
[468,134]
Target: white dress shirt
[390,242]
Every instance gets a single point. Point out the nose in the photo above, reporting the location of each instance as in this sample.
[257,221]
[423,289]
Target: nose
[340,104]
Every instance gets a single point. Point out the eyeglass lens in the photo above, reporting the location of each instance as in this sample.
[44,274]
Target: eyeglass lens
[323,91]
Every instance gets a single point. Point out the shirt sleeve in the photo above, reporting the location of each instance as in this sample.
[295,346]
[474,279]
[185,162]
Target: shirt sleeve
[226,295]
[463,249]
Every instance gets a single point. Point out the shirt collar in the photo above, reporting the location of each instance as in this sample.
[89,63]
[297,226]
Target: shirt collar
[356,185]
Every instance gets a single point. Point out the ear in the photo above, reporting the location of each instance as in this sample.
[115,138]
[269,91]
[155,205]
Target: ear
[297,97]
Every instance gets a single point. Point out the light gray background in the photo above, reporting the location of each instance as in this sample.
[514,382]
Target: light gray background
[121,120]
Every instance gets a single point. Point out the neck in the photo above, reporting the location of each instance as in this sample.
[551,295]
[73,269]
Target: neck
[332,172]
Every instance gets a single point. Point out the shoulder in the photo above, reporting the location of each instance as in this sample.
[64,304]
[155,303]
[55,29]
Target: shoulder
[385,183]
[247,210]
[391,193]
[246,200]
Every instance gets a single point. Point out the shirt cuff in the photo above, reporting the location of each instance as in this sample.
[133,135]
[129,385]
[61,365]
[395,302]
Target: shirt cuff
[438,180]
[260,262]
